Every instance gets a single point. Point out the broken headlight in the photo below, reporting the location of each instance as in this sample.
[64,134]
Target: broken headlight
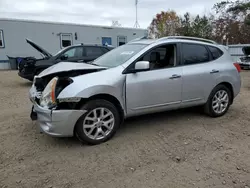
[48,98]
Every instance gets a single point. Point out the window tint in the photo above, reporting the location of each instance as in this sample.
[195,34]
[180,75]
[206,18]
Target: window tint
[194,53]
[93,51]
[216,53]
[1,39]
[66,40]
[74,52]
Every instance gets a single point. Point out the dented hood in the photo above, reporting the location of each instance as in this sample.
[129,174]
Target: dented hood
[68,66]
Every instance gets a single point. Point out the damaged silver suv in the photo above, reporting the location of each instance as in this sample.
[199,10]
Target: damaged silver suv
[144,76]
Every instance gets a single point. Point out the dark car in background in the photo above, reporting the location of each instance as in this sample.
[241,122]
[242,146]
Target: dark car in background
[244,62]
[81,53]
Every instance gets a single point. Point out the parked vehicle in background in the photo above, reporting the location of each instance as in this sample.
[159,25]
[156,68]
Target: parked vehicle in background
[141,77]
[244,62]
[29,67]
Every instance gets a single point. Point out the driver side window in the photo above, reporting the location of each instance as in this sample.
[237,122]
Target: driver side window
[70,53]
[74,52]
[161,57]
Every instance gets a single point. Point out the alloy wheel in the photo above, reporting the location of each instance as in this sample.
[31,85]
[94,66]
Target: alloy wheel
[98,123]
[220,101]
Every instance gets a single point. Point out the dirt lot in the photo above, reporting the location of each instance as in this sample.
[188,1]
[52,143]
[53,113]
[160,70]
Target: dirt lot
[174,149]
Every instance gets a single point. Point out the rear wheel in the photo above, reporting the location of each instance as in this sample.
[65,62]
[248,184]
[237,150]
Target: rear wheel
[219,101]
[99,123]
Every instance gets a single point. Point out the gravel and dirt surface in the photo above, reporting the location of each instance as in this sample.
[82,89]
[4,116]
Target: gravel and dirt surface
[183,148]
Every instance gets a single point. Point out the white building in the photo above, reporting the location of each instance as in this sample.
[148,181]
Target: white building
[54,36]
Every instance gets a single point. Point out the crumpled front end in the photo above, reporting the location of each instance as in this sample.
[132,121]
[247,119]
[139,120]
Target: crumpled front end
[244,62]
[55,121]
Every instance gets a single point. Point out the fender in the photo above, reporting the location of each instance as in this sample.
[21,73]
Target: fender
[105,82]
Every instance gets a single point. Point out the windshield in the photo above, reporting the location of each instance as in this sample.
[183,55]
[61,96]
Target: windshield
[57,53]
[119,55]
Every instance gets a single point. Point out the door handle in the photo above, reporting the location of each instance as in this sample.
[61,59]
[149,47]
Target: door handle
[214,71]
[174,76]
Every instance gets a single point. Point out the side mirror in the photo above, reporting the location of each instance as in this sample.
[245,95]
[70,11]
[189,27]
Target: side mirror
[141,66]
[64,57]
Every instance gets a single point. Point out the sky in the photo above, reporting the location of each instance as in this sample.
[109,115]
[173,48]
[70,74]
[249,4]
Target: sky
[99,12]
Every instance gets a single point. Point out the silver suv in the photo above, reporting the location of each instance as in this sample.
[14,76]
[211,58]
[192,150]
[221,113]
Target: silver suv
[141,77]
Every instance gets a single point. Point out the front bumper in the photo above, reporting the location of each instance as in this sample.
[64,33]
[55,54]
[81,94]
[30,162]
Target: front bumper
[27,76]
[57,123]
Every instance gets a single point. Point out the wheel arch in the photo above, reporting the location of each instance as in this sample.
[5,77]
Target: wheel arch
[106,97]
[103,96]
[230,87]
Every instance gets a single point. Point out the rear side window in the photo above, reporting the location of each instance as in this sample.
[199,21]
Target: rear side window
[216,53]
[194,53]
[93,51]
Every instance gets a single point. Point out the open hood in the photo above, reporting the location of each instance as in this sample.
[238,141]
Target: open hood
[39,48]
[246,50]
[67,67]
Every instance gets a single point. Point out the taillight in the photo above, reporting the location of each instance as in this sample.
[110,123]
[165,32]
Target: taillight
[237,66]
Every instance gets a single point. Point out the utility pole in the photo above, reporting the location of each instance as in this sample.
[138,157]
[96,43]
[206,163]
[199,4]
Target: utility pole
[136,16]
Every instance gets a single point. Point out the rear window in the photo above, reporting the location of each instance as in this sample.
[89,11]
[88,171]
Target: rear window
[216,53]
[93,51]
[194,54]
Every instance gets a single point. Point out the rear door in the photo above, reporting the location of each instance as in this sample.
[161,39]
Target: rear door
[92,52]
[200,73]
[74,54]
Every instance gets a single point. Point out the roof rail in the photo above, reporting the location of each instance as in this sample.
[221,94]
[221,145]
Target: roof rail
[188,38]
[140,38]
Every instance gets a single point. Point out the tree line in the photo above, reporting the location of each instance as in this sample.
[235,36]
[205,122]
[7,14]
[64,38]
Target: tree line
[229,23]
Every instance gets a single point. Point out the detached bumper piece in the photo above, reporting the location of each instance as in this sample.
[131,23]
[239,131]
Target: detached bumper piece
[57,123]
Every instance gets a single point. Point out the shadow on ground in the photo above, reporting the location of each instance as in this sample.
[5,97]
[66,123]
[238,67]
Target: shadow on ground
[142,122]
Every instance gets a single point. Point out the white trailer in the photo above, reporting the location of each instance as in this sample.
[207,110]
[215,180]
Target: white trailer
[236,52]
[55,36]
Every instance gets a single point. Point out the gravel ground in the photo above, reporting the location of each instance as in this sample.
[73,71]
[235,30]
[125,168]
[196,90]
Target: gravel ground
[183,148]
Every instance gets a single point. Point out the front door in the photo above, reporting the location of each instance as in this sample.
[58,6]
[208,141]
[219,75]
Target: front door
[158,89]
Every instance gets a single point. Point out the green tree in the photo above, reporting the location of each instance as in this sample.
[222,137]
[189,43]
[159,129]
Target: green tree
[196,27]
[230,24]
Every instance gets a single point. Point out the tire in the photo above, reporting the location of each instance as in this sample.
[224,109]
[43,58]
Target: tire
[92,118]
[211,106]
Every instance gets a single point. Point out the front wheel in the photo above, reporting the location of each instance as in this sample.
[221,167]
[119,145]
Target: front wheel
[218,102]
[99,123]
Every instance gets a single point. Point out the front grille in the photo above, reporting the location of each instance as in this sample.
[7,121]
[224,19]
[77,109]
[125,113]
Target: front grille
[39,84]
